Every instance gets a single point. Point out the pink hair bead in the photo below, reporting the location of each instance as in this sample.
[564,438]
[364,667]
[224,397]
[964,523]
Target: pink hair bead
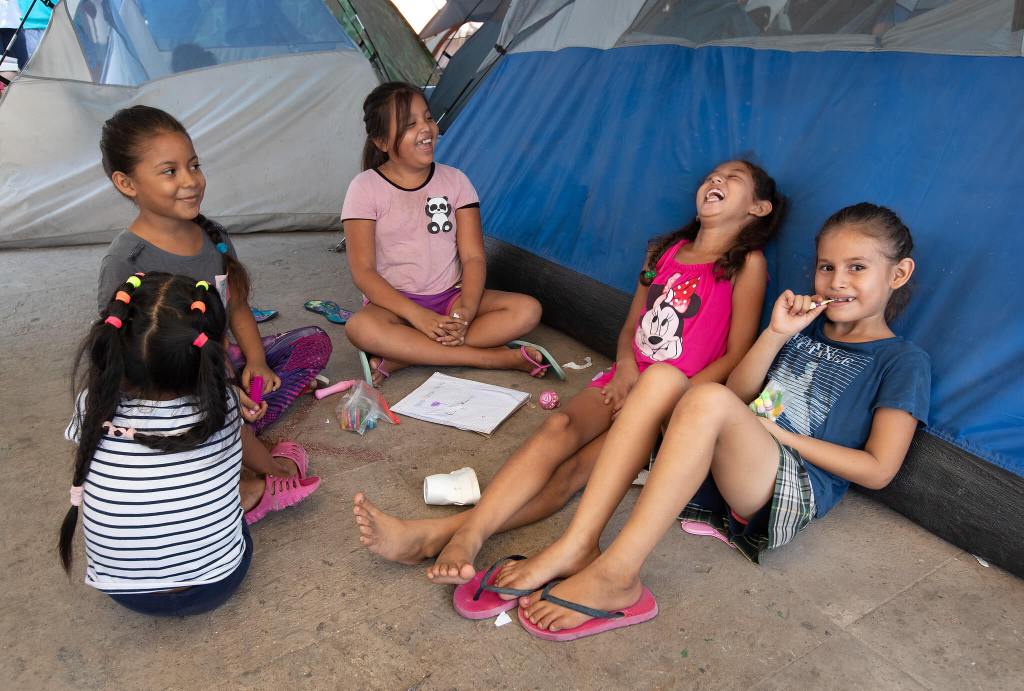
[548,400]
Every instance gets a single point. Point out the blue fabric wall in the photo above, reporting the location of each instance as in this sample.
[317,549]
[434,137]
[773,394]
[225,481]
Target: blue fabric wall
[582,155]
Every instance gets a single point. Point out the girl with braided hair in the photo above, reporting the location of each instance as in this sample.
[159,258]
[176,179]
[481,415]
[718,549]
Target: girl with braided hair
[158,473]
[696,310]
[149,158]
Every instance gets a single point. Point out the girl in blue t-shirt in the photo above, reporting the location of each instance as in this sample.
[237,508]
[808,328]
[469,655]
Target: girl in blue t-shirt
[853,394]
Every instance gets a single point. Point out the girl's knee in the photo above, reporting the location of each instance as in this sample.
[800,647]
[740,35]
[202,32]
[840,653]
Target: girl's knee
[528,310]
[704,398]
[360,331]
[663,377]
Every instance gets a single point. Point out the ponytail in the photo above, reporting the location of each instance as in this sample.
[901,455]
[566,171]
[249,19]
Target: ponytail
[97,396]
[238,277]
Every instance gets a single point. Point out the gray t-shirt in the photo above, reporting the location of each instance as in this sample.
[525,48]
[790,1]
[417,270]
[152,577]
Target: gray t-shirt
[128,253]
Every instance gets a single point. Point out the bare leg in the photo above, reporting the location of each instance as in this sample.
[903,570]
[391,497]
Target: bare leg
[256,457]
[626,451]
[503,317]
[250,488]
[520,479]
[711,430]
[412,541]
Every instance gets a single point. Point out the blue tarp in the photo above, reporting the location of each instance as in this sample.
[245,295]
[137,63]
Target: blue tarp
[582,155]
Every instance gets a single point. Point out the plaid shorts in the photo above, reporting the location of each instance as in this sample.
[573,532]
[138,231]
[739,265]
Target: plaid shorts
[790,510]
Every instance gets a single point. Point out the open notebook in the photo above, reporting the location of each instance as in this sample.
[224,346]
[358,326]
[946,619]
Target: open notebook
[461,403]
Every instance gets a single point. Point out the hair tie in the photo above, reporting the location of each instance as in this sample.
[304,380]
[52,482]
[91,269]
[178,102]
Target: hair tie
[222,247]
[76,495]
[123,297]
[113,321]
[134,281]
[198,305]
[650,275]
[202,284]
[119,432]
[201,340]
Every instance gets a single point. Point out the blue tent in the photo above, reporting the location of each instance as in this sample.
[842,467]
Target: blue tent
[588,127]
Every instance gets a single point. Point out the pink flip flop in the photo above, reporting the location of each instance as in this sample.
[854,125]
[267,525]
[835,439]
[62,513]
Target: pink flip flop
[479,597]
[644,609]
[280,493]
[703,529]
[293,452]
[539,369]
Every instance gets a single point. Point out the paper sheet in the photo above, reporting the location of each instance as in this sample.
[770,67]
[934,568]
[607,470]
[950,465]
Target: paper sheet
[461,403]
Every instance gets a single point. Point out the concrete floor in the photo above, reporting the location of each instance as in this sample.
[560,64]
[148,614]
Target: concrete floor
[863,599]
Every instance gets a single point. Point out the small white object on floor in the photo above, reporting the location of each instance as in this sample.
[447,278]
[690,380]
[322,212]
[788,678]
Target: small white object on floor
[980,560]
[587,362]
[503,619]
[641,479]
[459,487]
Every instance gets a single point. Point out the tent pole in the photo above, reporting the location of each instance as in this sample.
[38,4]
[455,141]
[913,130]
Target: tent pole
[10,44]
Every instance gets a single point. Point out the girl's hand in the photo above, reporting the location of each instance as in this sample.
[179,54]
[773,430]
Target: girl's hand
[250,410]
[271,382]
[783,436]
[432,324]
[458,324]
[622,383]
[792,313]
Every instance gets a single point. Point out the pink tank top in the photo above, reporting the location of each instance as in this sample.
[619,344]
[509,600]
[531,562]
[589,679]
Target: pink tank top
[688,315]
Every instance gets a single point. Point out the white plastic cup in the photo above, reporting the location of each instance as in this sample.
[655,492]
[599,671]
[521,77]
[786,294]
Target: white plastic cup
[459,487]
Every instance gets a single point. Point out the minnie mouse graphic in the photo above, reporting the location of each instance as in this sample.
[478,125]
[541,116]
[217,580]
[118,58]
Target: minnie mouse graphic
[660,336]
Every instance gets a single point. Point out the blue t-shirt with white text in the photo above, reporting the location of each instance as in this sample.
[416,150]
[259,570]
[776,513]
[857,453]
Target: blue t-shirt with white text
[832,389]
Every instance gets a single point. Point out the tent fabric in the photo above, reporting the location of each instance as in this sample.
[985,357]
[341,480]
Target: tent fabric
[403,54]
[609,146]
[455,13]
[956,27]
[280,136]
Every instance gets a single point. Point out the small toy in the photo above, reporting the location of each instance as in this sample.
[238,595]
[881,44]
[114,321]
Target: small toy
[256,389]
[336,388]
[548,400]
[769,403]
[361,407]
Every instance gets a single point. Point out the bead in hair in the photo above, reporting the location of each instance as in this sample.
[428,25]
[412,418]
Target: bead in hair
[123,297]
[134,281]
[201,340]
[114,322]
[202,284]
[198,305]
[222,247]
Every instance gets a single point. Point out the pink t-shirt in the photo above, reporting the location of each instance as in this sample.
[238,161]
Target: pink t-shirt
[689,311]
[415,228]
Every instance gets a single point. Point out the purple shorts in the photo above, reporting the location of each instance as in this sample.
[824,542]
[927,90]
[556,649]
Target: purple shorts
[440,303]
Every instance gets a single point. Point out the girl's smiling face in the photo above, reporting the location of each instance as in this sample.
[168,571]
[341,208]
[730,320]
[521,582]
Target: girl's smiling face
[167,180]
[416,136]
[727,193]
[853,267]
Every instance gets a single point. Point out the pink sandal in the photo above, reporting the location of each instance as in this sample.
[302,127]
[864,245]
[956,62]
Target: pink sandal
[280,493]
[540,369]
[704,530]
[293,452]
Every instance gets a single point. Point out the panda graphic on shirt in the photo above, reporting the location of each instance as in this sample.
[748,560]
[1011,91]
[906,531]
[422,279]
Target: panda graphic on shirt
[439,211]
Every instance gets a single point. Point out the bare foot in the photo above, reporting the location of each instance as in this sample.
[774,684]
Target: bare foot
[382,369]
[595,586]
[407,542]
[455,562]
[558,560]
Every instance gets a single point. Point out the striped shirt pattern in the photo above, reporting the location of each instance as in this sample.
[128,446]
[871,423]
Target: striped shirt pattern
[813,376]
[154,520]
